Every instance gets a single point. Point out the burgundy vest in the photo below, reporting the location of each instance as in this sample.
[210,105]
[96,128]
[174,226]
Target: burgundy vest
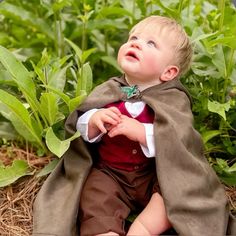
[120,152]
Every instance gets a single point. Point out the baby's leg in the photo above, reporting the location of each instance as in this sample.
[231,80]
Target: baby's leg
[108,234]
[152,220]
[104,206]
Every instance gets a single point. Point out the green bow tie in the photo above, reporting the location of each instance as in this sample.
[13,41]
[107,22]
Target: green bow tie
[130,91]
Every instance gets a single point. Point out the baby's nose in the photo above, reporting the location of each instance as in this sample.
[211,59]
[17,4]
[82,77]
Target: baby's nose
[136,44]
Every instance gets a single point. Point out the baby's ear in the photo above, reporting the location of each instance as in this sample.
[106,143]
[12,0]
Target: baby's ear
[169,73]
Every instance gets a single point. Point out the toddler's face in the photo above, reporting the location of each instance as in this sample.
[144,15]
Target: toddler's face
[145,55]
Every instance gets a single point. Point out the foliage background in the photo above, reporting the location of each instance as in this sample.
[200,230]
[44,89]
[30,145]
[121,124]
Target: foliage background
[52,53]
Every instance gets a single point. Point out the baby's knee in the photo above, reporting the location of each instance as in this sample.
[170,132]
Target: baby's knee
[139,228]
[110,233]
[145,227]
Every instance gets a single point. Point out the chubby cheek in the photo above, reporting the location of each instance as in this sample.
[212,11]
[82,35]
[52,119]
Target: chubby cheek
[150,63]
[121,54]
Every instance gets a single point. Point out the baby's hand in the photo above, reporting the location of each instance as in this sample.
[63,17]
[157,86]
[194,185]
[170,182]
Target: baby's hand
[102,119]
[131,128]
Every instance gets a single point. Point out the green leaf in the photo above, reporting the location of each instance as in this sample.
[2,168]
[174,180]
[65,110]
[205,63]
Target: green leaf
[106,24]
[222,164]
[86,79]
[13,110]
[62,95]
[59,5]
[229,41]
[98,24]
[232,168]
[49,107]
[25,17]
[207,135]
[112,61]
[227,174]
[57,146]
[86,54]
[10,174]
[168,10]
[5,78]
[218,59]
[48,168]
[21,76]
[142,6]
[77,50]
[229,179]
[57,76]
[75,102]
[198,35]
[7,131]
[219,108]
[108,11]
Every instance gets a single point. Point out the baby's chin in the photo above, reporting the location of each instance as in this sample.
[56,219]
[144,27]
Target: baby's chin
[130,70]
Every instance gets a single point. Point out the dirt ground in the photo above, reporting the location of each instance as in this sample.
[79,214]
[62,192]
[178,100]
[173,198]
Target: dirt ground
[16,200]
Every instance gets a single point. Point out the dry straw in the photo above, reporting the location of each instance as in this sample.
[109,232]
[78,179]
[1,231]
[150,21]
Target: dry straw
[16,200]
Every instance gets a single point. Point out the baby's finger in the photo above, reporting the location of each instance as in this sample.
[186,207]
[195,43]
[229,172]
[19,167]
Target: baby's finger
[115,110]
[111,118]
[117,130]
[101,127]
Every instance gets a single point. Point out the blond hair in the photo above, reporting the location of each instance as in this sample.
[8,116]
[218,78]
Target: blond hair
[182,46]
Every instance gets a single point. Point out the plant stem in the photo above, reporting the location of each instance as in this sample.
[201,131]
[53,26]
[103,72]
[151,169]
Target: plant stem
[180,7]
[106,42]
[83,43]
[133,10]
[188,9]
[228,71]
[59,40]
[83,48]
[151,6]
[221,7]
[133,13]
[60,48]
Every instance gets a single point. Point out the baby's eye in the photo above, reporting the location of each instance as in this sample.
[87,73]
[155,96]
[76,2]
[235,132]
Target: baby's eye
[133,38]
[151,43]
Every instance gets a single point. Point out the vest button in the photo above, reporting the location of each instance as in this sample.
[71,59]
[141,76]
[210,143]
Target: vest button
[134,151]
[136,167]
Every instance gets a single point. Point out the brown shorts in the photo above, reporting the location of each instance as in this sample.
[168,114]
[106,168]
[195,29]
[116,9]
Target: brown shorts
[109,195]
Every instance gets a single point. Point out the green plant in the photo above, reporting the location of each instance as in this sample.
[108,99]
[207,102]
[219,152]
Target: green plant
[212,84]
[53,54]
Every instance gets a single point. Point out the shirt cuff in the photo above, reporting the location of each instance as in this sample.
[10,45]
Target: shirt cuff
[82,126]
[149,150]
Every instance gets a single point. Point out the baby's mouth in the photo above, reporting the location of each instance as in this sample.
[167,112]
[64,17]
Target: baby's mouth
[132,55]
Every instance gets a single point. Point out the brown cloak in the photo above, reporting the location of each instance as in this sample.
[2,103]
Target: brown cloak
[195,200]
